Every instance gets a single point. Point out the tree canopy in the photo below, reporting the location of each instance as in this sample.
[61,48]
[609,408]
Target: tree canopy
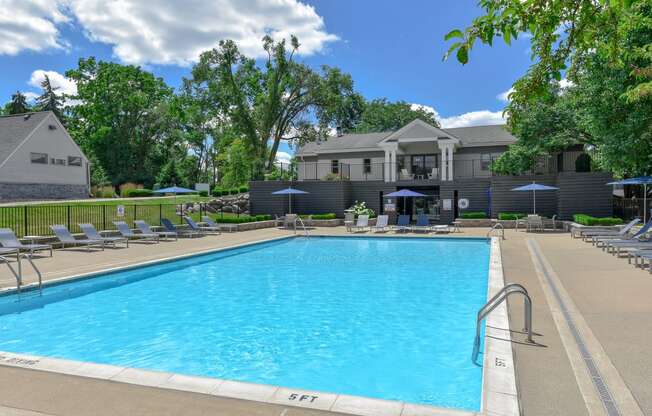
[380,115]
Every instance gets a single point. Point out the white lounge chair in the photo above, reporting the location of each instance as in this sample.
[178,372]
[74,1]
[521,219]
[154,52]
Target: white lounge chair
[91,233]
[8,240]
[362,224]
[126,232]
[382,224]
[66,238]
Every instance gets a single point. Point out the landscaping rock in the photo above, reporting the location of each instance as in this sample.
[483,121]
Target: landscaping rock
[229,203]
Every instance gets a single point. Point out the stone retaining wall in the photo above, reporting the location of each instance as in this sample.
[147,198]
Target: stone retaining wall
[13,192]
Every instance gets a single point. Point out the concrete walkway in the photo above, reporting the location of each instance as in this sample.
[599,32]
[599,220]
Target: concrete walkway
[611,297]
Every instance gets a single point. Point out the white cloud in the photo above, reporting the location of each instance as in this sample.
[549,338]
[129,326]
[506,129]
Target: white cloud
[425,108]
[174,32]
[473,118]
[30,25]
[504,96]
[65,85]
[565,83]
[283,157]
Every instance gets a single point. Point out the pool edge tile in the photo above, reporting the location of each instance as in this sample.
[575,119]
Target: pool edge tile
[246,391]
[141,377]
[410,409]
[304,398]
[365,406]
[193,384]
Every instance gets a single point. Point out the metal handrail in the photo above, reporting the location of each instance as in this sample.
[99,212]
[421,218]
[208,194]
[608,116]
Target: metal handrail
[493,303]
[38,272]
[18,274]
[497,226]
[303,225]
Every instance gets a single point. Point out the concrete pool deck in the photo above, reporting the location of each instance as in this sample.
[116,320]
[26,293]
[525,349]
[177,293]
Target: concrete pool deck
[610,297]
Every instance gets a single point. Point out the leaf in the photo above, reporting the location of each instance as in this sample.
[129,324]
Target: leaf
[463,55]
[451,49]
[456,33]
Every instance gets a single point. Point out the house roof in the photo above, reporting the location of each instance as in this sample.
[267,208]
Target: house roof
[14,129]
[494,135]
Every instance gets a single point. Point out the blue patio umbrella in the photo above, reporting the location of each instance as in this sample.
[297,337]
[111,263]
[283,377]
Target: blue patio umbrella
[639,180]
[289,192]
[534,187]
[405,193]
[174,190]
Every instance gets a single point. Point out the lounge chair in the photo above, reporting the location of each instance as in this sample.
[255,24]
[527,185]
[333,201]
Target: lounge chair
[637,241]
[8,240]
[92,234]
[145,228]
[405,176]
[441,229]
[423,224]
[195,227]
[181,232]
[361,225]
[381,224]
[402,223]
[66,238]
[595,235]
[126,232]
[349,220]
[208,220]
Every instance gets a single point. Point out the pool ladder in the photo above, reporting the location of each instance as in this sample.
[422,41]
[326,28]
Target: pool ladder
[497,227]
[303,225]
[18,273]
[493,303]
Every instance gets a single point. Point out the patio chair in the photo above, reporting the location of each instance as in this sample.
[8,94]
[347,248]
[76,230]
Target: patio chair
[195,227]
[595,235]
[402,223]
[639,240]
[144,228]
[8,240]
[126,232]
[349,220]
[534,222]
[381,224]
[423,224]
[66,238]
[290,221]
[361,225]
[434,174]
[405,176]
[92,234]
[445,229]
[181,232]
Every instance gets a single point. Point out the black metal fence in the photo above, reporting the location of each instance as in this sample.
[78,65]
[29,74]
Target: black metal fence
[630,208]
[35,220]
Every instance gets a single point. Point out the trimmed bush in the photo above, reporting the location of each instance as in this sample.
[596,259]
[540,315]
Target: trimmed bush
[510,216]
[135,193]
[243,189]
[473,215]
[589,220]
[203,193]
[234,191]
[216,192]
[243,219]
[329,216]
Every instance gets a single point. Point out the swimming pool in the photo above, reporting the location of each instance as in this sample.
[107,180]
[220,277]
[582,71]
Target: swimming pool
[389,318]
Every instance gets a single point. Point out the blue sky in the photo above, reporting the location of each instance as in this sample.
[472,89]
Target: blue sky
[392,49]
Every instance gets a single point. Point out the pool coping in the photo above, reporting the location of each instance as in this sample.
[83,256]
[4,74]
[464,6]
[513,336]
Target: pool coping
[499,395]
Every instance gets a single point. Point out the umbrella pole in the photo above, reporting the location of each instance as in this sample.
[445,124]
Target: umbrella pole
[289,203]
[534,193]
[644,203]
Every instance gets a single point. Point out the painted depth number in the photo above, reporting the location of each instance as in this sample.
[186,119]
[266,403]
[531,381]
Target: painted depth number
[302,397]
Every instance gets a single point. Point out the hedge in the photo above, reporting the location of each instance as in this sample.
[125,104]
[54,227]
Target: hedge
[589,220]
[510,216]
[234,191]
[330,216]
[243,219]
[134,193]
[203,193]
[473,215]
[243,189]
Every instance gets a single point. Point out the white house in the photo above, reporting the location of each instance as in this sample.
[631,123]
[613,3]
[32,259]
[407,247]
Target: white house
[39,159]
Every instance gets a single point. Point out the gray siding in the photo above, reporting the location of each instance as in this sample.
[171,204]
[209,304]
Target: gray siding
[475,190]
[503,199]
[584,193]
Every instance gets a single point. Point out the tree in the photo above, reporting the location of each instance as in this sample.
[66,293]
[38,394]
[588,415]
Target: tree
[49,100]
[18,104]
[282,100]
[124,120]
[235,164]
[381,115]
[170,175]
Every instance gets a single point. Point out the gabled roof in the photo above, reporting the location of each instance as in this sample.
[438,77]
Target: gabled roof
[476,136]
[418,129]
[14,129]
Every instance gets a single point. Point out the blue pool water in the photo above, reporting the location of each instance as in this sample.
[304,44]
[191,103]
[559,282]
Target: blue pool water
[390,318]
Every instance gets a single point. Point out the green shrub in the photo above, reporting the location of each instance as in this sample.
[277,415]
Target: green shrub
[243,219]
[510,216]
[203,193]
[244,189]
[589,220]
[330,216]
[216,192]
[135,193]
[473,215]
[234,191]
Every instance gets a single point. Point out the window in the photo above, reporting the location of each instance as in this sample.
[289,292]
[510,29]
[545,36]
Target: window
[366,166]
[74,161]
[60,162]
[335,166]
[485,161]
[41,158]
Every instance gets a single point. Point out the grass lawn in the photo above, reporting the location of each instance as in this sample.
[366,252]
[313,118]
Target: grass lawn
[36,219]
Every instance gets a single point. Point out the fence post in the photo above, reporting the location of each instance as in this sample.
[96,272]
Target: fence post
[104,217]
[180,213]
[25,226]
[160,214]
[135,206]
[68,216]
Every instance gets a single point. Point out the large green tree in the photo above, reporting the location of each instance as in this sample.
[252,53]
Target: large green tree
[281,99]
[49,100]
[18,104]
[382,115]
[124,120]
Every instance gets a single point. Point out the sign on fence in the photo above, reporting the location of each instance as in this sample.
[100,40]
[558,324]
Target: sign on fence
[202,187]
[120,210]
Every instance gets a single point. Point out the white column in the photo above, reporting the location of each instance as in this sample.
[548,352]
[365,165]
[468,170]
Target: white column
[387,166]
[450,163]
[444,158]
[393,166]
